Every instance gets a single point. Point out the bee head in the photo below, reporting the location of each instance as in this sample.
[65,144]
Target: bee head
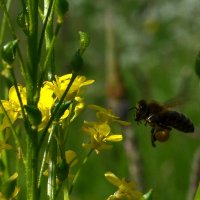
[141,110]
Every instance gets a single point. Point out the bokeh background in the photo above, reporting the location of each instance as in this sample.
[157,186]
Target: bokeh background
[153,46]
[140,49]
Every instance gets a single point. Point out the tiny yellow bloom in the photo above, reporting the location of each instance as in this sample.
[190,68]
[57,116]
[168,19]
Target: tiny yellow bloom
[100,134]
[79,107]
[71,157]
[60,84]
[126,189]
[45,104]
[12,106]
[107,115]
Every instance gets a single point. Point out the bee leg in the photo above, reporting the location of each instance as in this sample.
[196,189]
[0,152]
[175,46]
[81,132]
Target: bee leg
[153,139]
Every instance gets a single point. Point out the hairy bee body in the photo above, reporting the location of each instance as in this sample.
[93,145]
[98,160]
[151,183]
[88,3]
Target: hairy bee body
[176,120]
[162,120]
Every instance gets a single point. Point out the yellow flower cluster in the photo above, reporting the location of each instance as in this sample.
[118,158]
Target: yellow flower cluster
[126,189]
[100,131]
[50,93]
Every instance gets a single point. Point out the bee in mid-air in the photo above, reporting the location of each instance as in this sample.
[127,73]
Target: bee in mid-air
[162,120]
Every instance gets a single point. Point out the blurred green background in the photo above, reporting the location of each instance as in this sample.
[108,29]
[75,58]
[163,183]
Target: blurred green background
[154,44]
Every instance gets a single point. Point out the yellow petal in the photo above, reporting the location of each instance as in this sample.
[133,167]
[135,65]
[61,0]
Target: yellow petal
[71,157]
[114,138]
[112,178]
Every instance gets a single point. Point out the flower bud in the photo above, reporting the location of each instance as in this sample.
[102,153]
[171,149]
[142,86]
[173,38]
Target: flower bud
[62,6]
[8,51]
[64,106]
[34,114]
[62,170]
[84,41]
[22,21]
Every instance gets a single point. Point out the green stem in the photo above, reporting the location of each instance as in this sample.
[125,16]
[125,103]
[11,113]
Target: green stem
[31,165]
[45,154]
[32,95]
[49,53]
[47,14]
[51,187]
[3,23]
[66,193]
[48,38]
[79,170]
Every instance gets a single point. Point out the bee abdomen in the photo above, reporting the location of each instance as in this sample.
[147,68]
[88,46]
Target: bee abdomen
[177,120]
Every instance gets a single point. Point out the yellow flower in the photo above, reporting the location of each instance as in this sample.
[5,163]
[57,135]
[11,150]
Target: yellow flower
[60,84]
[126,189]
[45,104]
[12,106]
[100,134]
[106,115]
[79,107]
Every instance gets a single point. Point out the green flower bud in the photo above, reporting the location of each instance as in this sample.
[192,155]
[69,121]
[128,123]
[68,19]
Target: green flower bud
[84,41]
[34,114]
[22,21]
[61,6]
[8,51]
[64,106]
[197,65]
[62,170]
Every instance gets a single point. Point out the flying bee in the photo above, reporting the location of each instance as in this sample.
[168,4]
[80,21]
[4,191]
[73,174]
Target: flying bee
[162,120]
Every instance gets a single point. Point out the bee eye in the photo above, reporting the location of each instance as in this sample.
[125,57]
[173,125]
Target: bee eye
[142,106]
[141,110]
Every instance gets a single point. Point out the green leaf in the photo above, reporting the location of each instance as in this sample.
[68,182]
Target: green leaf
[197,195]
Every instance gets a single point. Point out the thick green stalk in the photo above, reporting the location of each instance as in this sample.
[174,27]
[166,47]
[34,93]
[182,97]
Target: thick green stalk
[31,165]
[32,99]
[33,64]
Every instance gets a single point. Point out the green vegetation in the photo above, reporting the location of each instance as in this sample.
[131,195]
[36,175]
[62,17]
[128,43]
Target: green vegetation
[60,59]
